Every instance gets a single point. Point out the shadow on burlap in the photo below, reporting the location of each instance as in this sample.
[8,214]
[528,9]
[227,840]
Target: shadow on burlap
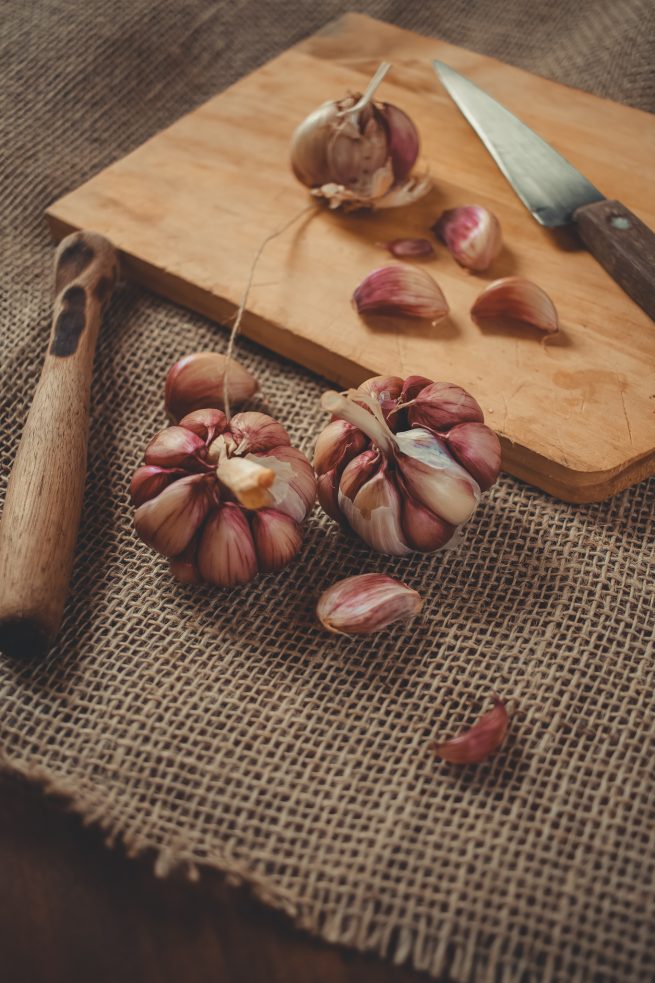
[222,729]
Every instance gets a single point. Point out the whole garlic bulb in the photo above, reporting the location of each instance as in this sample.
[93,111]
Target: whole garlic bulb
[359,153]
[224,501]
[403,462]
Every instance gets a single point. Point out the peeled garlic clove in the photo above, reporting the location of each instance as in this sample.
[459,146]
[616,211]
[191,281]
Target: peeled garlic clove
[481,740]
[434,478]
[149,480]
[277,539]
[423,530]
[184,567]
[477,448]
[472,235]
[366,603]
[400,290]
[206,424]
[255,433]
[337,444]
[226,553]
[197,382]
[519,299]
[440,405]
[168,522]
[374,514]
[410,248]
[173,447]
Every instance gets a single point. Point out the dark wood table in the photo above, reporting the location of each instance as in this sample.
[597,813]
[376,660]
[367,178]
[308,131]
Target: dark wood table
[74,911]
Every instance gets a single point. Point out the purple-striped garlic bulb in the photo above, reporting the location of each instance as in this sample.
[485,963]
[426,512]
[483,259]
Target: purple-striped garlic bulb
[403,462]
[224,501]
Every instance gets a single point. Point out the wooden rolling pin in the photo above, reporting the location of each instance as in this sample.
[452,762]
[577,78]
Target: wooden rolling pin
[44,495]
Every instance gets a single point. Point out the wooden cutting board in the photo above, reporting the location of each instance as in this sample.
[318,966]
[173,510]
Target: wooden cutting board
[191,206]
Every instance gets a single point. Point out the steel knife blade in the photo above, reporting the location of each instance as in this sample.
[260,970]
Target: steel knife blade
[556,193]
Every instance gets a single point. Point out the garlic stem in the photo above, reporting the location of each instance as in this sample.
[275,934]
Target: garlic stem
[346,409]
[247,480]
[364,100]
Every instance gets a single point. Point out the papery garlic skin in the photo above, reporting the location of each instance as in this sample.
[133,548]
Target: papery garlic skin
[197,381]
[479,741]
[472,235]
[366,603]
[411,479]
[402,291]
[518,299]
[358,153]
[224,501]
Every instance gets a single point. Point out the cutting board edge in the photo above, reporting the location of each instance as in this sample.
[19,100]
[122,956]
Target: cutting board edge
[560,481]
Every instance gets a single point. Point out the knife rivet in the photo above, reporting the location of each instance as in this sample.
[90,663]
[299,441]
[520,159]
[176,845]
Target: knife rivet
[619,222]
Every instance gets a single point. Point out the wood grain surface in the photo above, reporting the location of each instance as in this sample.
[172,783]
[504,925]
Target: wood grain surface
[190,207]
[72,911]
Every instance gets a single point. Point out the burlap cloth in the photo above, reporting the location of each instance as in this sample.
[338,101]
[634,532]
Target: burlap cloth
[222,729]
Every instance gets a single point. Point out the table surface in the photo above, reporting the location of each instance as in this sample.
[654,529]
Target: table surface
[73,910]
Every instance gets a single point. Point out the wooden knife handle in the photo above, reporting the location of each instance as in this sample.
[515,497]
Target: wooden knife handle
[623,245]
[44,495]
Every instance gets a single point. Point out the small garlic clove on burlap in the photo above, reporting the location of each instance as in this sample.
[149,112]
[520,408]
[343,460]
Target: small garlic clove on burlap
[479,741]
[197,382]
[366,603]
[204,512]
[403,291]
[472,235]
[409,489]
[518,299]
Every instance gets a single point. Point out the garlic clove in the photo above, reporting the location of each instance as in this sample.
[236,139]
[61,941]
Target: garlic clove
[520,299]
[410,248]
[184,566]
[197,381]
[168,522]
[440,405]
[337,444]
[358,471]
[400,290]
[423,530]
[412,386]
[206,423]
[374,514]
[226,553]
[477,448]
[357,154]
[173,447]
[366,603]
[149,480]
[434,478]
[404,143]
[277,539]
[386,390]
[481,740]
[472,235]
[328,495]
[256,432]
[294,489]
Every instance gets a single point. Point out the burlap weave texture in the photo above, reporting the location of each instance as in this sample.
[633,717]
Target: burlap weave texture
[222,729]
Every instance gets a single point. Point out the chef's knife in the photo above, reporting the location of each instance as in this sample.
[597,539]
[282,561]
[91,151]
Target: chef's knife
[556,193]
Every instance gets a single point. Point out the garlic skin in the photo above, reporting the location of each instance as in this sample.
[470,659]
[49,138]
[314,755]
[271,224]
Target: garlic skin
[472,235]
[357,153]
[197,381]
[403,291]
[411,479]
[223,501]
[520,299]
[479,741]
[366,603]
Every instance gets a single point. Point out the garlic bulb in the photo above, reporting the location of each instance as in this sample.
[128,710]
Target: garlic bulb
[366,603]
[472,235]
[401,290]
[403,462]
[359,153]
[197,382]
[222,500]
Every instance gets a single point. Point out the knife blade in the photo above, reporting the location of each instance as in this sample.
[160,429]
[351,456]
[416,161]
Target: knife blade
[556,193]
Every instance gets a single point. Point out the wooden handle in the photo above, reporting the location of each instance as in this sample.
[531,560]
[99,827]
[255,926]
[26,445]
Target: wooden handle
[623,245]
[44,495]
